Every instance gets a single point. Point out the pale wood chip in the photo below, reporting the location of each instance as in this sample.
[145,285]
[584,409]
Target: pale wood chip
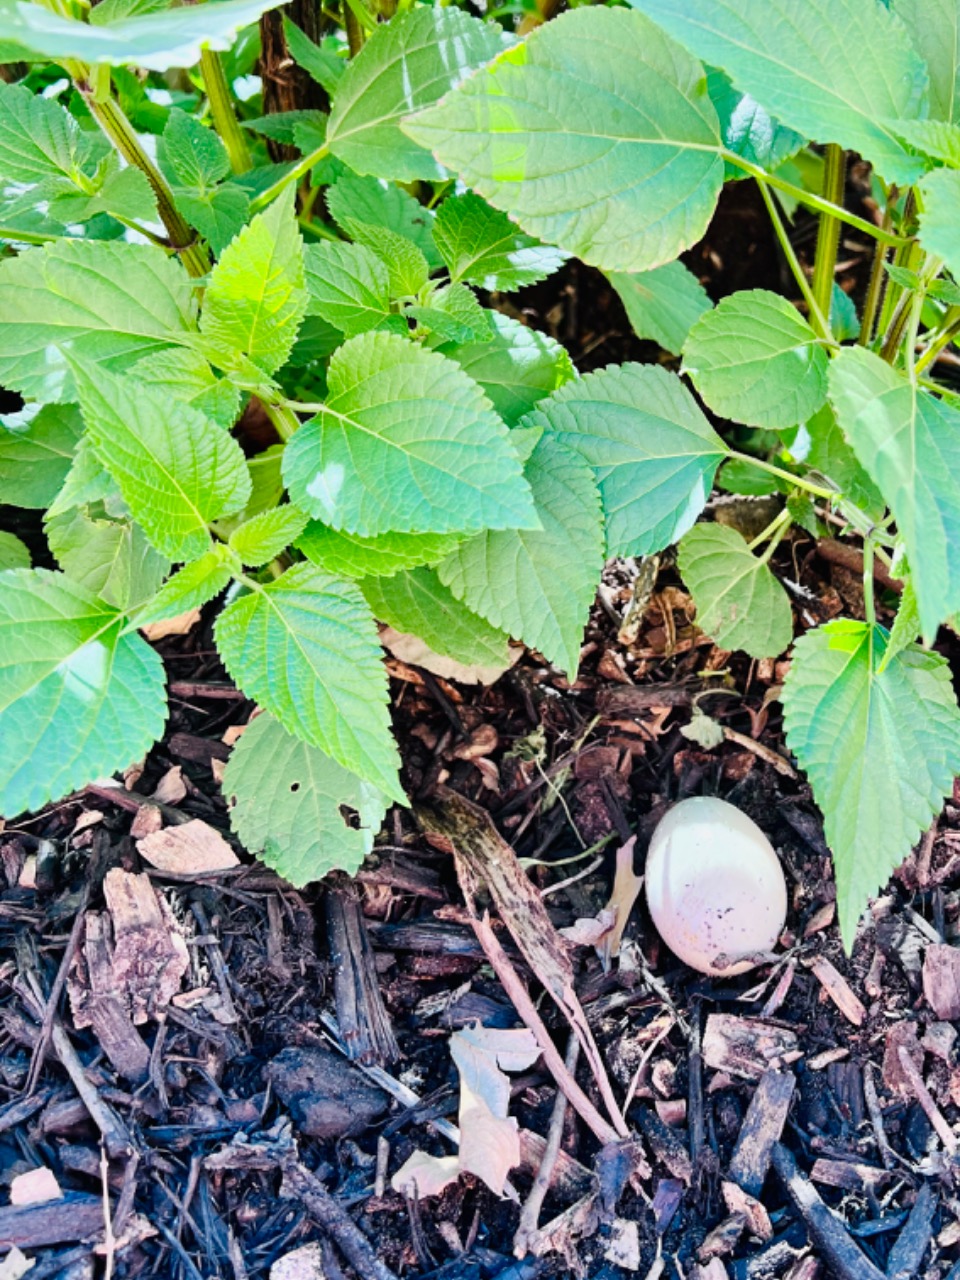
[838,989]
[746,1047]
[178,626]
[188,849]
[150,954]
[753,1212]
[146,821]
[35,1187]
[941,980]
[171,788]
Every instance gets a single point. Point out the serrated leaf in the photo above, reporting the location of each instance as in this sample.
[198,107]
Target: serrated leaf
[87,481]
[122,193]
[266,489]
[190,154]
[653,451]
[106,303]
[754,359]
[906,625]
[740,603]
[830,454]
[663,304]
[176,472]
[256,297]
[406,64]
[36,449]
[287,802]
[384,204]
[264,536]
[406,443]
[408,268]
[481,246]
[934,29]
[77,698]
[748,129]
[626,182]
[844,321]
[834,72]
[13,553]
[279,126]
[305,647]
[909,443]
[881,751]
[939,230]
[516,368]
[938,139]
[538,586]
[185,375]
[219,215]
[453,314]
[349,556]
[189,588]
[39,139]
[320,61]
[349,286]
[111,559]
[415,602]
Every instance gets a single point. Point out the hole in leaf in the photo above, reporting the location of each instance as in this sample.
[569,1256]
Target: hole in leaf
[294,786]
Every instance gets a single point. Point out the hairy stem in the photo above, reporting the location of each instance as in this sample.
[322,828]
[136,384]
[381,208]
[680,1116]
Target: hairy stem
[221,108]
[828,233]
[877,275]
[948,331]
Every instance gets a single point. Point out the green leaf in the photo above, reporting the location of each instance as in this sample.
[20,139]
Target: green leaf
[408,268]
[539,585]
[844,321]
[906,625]
[407,63]
[653,451]
[280,125]
[176,472]
[123,193]
[305,647]
[748,129]
[740,476]
[384,204]
[349,286]
[516,368]
[287,802]
[740,603]
[13,554]
[829,453]
[835,71]
[754,359]
[36,449]
[621,167]
[218,215]
[157,41]
[108,11]
[189,588]
[190,154]
[881,751]
[663,304]
[939,229]
[406,443]
[934,27]
[453,314]
[106,303]
[87,481]
[256,297]
[909,443]
[264,536]
[415,602]
[481,246]
[77,698]
[320,61]
[185,375]
[39,139]
[350,556]
[937,138]
[111,559]
[266,491]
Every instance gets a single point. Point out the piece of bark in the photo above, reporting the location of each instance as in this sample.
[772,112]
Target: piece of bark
[941,980]
[365,1026]
[192,847]
[753,1212]
[76,1217]
[37,1186]
[99,1001]
[761,1130]
[911,1244]
[332,1218]
[667,1145]
[846,1175]
[902,1035]
[722,1240]
[149,953]
[838,989]
[746,1047]
[188,746]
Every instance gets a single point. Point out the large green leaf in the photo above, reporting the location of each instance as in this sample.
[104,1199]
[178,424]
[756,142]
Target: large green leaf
[834,70]
[256,297]
[350,556]
[383,204]
[186,375]
[349,287]
[755,359]
[481,246]
[77,699]
[405,443]
[108,303]
[740,603]
[111,559]
[939,228]
[176,471]
[415,602]
[406,64]
[934,27]
[539,585]
[158,41]
[305,646]
[516,368]
[219,214]
[597,134]
[909,443]
[287,802]
[39,139]
[36,449]
[663,304]
[653,451]
[880,750]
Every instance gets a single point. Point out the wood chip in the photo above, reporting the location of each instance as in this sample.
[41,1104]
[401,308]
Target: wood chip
[941,980]
[827,1058]
[838,989]
[901,1035]
[146,821]
[191,848]
[746,1047]
[847,1175]
[99,1000]
[150,955]
[722,1240]
[36,1187]
[761,1130]
[750,1209]
[75,1217]
[171,788]
[178,626]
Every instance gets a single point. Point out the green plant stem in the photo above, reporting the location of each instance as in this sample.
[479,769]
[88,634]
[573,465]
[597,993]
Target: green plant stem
[948,331]
[29,237]
[871,302]
[221,108]
[779,534]
[354,30]
[819,321]
[903,257]
[782,517]
[295,174]
[828,233]
[869,609]
[284,420]
[797,481]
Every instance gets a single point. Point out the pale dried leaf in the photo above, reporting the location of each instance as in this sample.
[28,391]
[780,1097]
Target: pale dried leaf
[178,626]
[189,848]
[89,818]
[413,651]
[626,887]
[428,1175]
[305,1263]
[16,1265]
[171,788]
[623,1248]
[35,1187]
[590,931]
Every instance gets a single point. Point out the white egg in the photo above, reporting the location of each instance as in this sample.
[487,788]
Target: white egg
[714,886]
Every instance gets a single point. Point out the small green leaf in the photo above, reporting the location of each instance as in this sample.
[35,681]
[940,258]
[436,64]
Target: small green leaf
[740,476]
[539,585]
[264,536]
[383,204]
[880,750]
[123,193]
[256,298]
[36,450]
[111,559]
[350,556]
[938,139]
[740,603]
[653,451]
[453,314]
[13,553]
[906,625]
[190,154]
[844,321]
[415,602]
[189,588]
[622,167]
[305,647]
[408,268]
[185,375]
[39,139]
[77,698]
[406,64]
[939,230]
[287,802]
[830,454]
[406,443]
[87,481]
[266,489]
[748,129]
[663,304]
[219,215]
[754,359]
[176,472]
[349,286]
[320,61]
[481,246]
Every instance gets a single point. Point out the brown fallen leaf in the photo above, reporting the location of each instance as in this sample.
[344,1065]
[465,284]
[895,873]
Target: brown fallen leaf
[190,848]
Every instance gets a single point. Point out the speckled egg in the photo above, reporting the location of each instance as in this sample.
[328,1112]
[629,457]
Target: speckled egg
[714,886]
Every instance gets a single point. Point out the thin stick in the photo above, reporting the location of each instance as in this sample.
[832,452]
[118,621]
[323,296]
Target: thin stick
[530,1214]
[53,1000]
[116,1139]
[925,1098]
[334,1220]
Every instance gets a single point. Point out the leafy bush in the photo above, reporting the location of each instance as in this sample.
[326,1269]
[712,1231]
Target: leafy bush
[439,466]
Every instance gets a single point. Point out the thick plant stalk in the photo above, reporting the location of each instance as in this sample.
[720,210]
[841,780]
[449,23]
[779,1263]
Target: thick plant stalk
[221,108]
[828,235]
